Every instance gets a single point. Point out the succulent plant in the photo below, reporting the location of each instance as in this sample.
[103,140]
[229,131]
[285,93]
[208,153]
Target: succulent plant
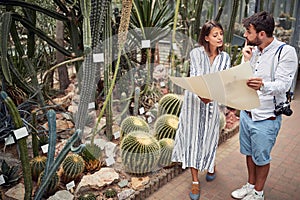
[170,104]
[140,152]
[73,165]
[87,196]
[53,184]
[166,126]
[92,155]
[37,165]
[166,149]
[133,123]
[10,174]
[110,193]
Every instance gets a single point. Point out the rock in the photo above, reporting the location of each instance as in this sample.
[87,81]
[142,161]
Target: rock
[110,149]
[16,192]
[62,195]
[123,183]
[139,182]
[125,194]
[104,176]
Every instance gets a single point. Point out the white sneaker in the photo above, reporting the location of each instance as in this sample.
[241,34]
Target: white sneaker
[241,192]
[253,196]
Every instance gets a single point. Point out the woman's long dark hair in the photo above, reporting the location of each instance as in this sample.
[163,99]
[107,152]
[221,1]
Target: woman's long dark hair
[205,30]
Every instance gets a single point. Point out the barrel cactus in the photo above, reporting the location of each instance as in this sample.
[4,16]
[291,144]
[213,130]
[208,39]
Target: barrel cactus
[166,126]
[140,152]
[166,149]
[53,185]
[170,104]
[73,166]
[37,165]
[133,123]
[222,121]
[87,196]
[110,193]
[92,154]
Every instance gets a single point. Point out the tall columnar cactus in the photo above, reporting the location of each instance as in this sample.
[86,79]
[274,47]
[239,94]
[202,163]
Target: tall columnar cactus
[37,165]
[133,123]
[137,93]
[51,165]
[166,149]
[53,183]
[73,166]
[170,104]
[140,152]
[166,126]
[22,144]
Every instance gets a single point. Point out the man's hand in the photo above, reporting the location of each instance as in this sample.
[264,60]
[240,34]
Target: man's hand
[204,100]
[247,52]
[255,83]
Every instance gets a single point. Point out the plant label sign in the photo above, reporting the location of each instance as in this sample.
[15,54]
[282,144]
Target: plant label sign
[142,110]
[174,46]
[110,161]
[45,148]
[91,105]
[70,185]
[2,180]
[9,140]
[149,119]
[146,44]
[98,57]
[117,135]
[20,133]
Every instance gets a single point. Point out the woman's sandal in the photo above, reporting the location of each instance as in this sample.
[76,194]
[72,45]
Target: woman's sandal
[195,193]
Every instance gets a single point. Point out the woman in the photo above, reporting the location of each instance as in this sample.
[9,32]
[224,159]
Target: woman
[197,135]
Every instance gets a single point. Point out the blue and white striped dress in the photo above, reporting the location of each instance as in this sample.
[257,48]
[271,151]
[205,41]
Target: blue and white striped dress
[197,135]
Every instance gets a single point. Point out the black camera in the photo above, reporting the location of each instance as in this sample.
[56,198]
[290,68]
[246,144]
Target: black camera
[283,108]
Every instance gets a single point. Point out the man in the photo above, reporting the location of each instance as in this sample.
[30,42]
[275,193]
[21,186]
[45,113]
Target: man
[274,67]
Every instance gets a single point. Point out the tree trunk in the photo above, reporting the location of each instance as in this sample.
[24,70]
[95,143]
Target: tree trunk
[62,70]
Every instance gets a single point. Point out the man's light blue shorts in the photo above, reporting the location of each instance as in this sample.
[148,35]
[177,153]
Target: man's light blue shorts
[258,138]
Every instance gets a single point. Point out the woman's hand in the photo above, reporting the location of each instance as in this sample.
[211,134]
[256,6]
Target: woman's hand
[204,100]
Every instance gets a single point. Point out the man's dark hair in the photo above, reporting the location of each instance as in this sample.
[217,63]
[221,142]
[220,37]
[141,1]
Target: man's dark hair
[262,21]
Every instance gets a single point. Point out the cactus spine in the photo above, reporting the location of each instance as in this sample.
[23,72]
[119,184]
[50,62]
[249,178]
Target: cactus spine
[166,146]
[21,144]
[140,152]
[166,126]
[133,123]
[73,166]
[38,165]
[170,104]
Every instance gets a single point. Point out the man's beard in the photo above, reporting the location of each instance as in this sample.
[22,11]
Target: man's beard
[255,42]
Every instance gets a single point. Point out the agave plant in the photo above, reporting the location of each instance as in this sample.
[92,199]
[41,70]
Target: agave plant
[10,173]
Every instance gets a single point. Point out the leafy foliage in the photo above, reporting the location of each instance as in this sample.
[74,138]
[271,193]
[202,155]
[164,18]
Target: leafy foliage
[10,173]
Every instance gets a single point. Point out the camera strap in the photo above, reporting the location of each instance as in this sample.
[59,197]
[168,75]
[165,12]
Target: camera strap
[273,66]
